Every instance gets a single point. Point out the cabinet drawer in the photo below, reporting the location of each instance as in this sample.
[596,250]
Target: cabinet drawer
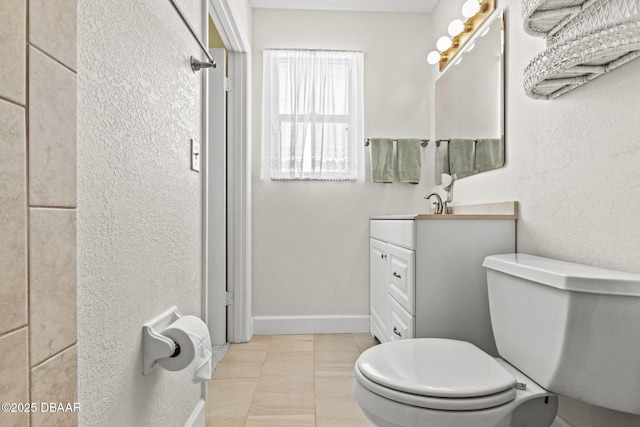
[397,231]
[402,324]
[401,276]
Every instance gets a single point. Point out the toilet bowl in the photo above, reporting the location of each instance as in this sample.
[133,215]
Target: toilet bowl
[442,382]
[546,315]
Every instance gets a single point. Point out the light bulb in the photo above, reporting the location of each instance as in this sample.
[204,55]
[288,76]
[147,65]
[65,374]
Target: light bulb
[470,8]
[433,57]
[443,43]
[456,27]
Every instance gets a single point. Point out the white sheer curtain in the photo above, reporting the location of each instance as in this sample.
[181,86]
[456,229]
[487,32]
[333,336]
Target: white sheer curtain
[312,115]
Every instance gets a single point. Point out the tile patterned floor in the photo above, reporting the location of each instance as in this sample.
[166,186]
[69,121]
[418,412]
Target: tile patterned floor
[288,380]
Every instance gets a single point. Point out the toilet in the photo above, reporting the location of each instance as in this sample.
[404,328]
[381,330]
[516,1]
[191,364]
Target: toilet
[555,324]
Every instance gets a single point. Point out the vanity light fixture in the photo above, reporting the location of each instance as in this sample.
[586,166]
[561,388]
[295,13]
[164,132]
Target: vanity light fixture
[443,43]
[433,57]
[470,8]
[476,12]
[455,27]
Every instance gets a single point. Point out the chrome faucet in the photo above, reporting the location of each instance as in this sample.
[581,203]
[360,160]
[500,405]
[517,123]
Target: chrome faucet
[438,204]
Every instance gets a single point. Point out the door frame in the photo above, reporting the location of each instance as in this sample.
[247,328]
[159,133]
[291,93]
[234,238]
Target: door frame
[214,179]
[238,182]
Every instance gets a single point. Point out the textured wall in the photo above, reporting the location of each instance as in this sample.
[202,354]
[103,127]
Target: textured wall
[572,163]
[139,227]
[310,239]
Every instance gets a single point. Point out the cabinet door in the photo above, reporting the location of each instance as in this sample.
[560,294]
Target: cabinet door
[401,325]
[379,306]
[402,276]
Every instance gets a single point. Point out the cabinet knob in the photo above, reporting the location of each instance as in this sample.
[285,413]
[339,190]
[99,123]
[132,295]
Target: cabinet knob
[397,275]
[395,331]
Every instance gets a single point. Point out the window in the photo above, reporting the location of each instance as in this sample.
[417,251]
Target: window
[312,115]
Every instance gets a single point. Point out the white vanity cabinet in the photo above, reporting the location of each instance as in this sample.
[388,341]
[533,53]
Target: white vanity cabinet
[392,258]
[426,276]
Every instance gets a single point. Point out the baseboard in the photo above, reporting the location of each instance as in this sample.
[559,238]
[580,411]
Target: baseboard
[328,324]
[559,422]
[198,417]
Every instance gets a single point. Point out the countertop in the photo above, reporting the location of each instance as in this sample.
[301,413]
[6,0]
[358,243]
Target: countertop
[499,210]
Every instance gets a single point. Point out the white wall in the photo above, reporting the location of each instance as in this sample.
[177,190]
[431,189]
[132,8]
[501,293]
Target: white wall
[572,163]
[139,205]
[310,239]
[243,14]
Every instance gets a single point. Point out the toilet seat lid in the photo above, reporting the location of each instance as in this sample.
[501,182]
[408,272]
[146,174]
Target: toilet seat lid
[435,367]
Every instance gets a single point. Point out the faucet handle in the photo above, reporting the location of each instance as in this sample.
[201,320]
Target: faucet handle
[447,180]
[447,185]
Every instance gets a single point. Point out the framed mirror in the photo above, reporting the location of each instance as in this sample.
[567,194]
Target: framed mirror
[469,105]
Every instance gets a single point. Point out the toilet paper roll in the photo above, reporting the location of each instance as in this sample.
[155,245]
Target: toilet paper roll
[192,335]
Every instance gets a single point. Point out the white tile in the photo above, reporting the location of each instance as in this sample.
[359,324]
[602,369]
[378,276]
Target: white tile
[13,217]
[52,274]
[14,376]
[52,132]
[13,16]
[55,381]
[52,28]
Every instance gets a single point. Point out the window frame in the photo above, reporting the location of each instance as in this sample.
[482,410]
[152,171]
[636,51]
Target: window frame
[354,171]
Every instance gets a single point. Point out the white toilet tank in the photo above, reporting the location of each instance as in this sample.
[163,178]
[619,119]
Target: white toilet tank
[573,329]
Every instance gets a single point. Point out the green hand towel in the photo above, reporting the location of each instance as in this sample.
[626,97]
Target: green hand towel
[489,154]
[461,156]
[409,160]
[382,159]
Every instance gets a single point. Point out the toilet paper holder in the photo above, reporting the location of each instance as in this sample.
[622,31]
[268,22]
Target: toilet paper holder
[155,345]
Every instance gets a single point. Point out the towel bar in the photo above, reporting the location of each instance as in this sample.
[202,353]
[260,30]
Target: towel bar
[424,142]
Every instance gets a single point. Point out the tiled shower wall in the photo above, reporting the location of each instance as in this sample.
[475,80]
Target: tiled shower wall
[38,357]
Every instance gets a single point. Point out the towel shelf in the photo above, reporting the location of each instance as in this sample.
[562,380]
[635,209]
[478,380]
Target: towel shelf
[585,39]
[423,142]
